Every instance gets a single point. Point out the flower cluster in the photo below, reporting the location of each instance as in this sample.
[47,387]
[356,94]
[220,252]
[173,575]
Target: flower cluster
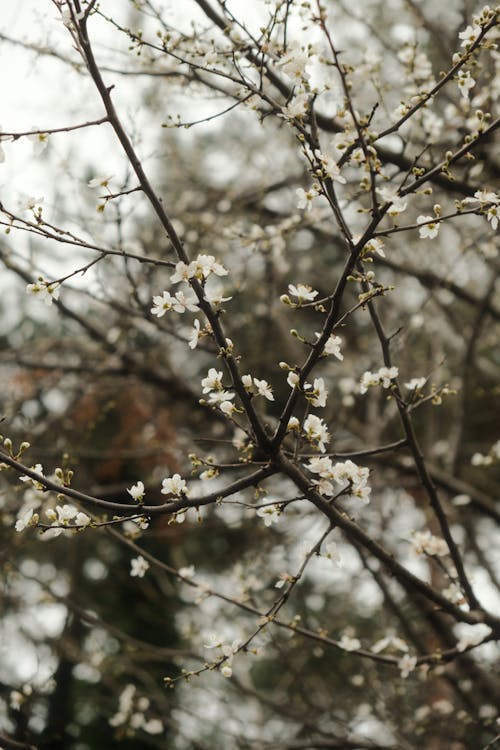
[492,457]
[352,479]
[349,644]
[131,711]
[316,393]
[227,651]
[382,377]
[200,268]
[180,303]
[423,542]
[257,387]
[218,395]
[294,62]
[314,430]
[66,516]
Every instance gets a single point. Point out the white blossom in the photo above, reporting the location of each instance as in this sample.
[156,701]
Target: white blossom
[423,542]
[484,197]
[415,384]
[137,491]
[82,519]
[259,387]
[161,304]
[333,553]
[183,272]
[212,640]
[303,292]
[39,140]
[429,228]
[397,203]
[183,302]
[324,487]
[26,518]
[454,594]
[330,167]
[227,408]
[316,431]
[174,485]
[269,513]
[492,215]
[349,644]
[263,389]
[194,335]
[218,397]
[375,245]
[305,198]
[100,181]
[247,381]
[213,381]
[38,469]
[332,346]
[321,465]
[65,513]
[356,478]
[138,567]
[153,726]
[407,664]
[293,63]
[465,83]
[296,107]
[382,377]
[214,293]
[206,265]
[317,393]
[469,35]
[187,572]
[30,203]
[472,635]
[390,641]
